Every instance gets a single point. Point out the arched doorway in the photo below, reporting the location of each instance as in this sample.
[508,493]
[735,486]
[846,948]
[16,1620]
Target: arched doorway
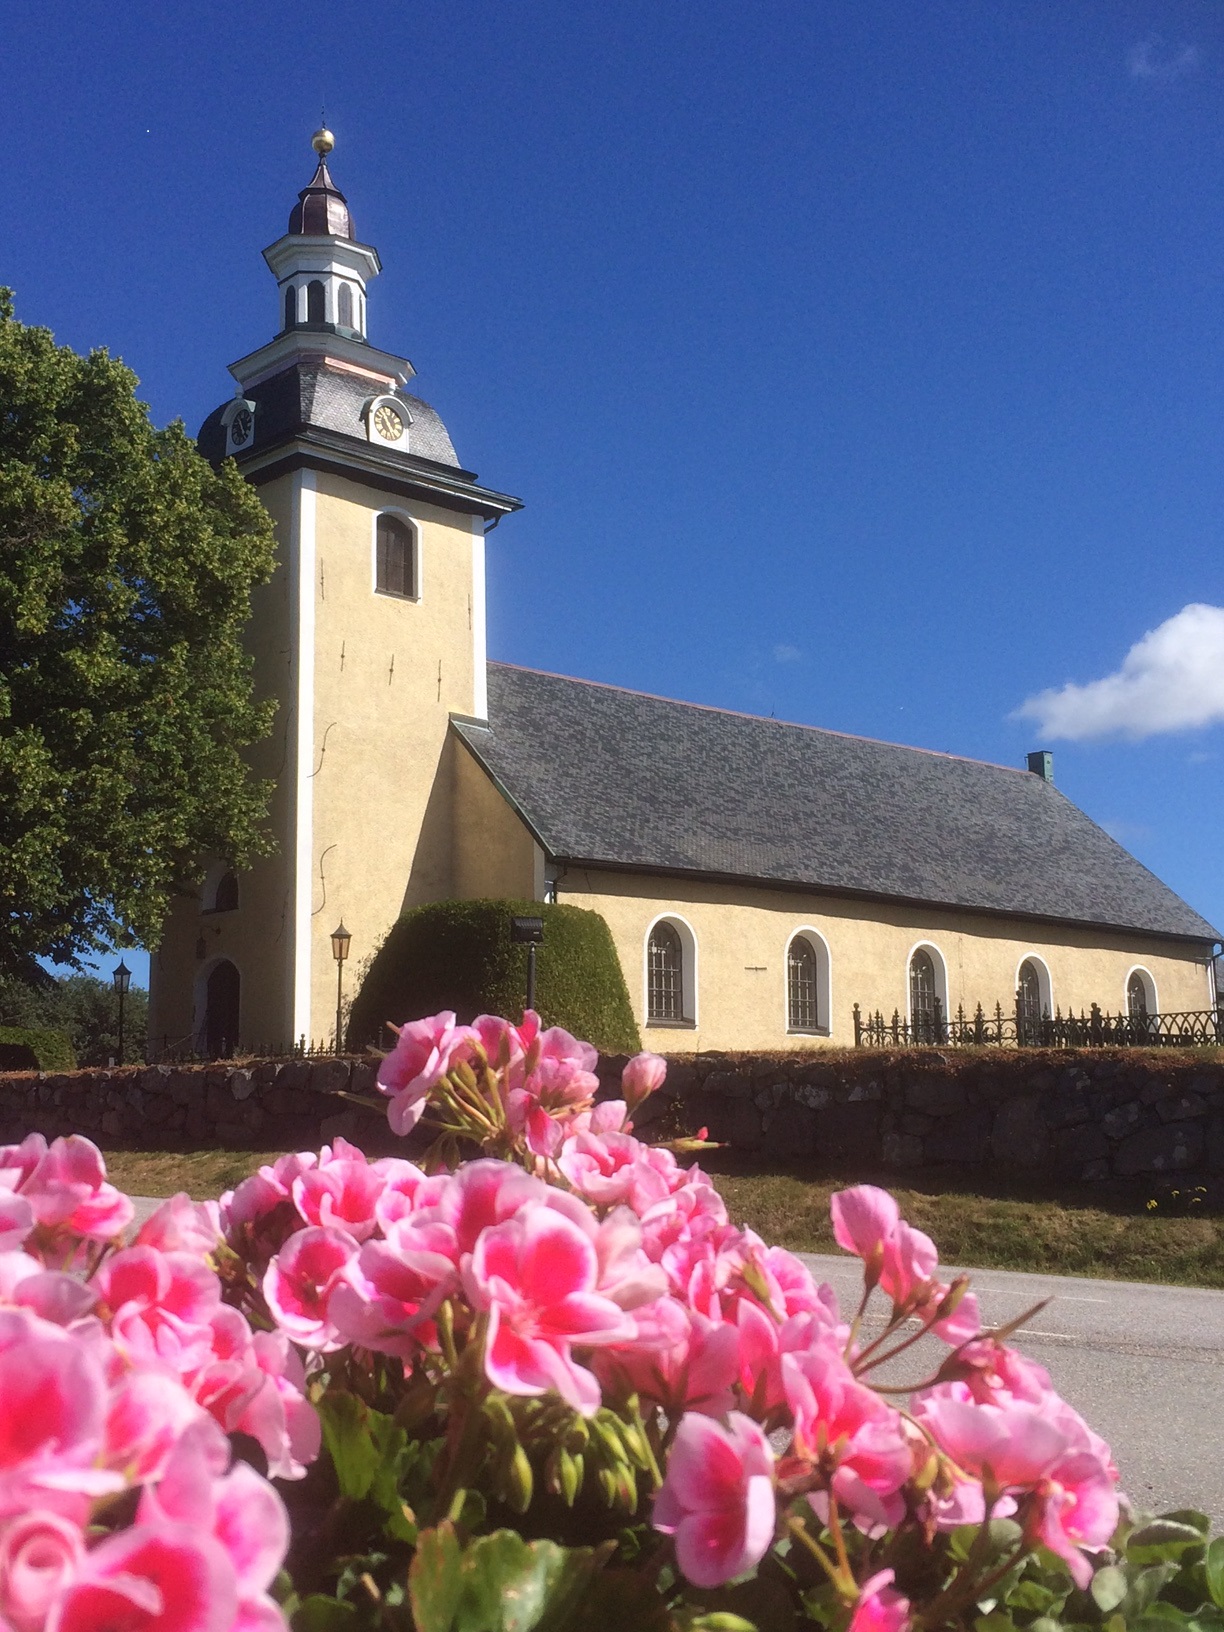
[220,1029]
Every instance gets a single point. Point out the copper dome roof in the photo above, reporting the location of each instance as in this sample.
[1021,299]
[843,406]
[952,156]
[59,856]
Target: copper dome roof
[321,210]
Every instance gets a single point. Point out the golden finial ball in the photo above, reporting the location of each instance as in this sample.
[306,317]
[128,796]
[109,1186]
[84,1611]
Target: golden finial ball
[323,141]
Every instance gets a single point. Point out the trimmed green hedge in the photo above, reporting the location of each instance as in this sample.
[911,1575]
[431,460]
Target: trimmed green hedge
[32,1048]
[458,955]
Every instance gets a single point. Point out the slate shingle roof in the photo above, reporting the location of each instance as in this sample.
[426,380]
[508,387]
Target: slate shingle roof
[311,393]
[616,777]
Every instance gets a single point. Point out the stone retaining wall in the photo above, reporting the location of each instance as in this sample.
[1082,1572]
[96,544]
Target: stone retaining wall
[1089,1114]
[260,1104]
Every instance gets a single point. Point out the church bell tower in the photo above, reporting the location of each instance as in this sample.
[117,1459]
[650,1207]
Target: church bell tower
[370,636]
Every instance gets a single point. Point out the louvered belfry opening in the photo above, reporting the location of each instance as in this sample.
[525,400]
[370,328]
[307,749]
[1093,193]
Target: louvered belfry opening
[665,985]
[394,567]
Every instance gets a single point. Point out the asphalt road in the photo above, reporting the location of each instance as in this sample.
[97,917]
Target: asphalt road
[1143,1364]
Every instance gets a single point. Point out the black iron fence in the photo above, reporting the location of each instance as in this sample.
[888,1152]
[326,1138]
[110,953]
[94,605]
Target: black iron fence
[1191,1028]
[194,1050]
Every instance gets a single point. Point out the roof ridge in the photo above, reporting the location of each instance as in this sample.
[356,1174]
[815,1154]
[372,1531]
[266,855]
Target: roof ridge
[764,719]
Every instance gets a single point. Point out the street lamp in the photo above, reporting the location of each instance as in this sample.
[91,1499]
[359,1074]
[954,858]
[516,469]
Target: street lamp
[122,978]
[531,931]
[340,950]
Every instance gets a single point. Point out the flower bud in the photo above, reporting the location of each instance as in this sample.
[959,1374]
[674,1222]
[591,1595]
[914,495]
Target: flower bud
[519,1481]
[641,1077]
[571,1468]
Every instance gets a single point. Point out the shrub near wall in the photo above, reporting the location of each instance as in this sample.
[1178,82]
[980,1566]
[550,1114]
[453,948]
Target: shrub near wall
[458,955]
[33,1048]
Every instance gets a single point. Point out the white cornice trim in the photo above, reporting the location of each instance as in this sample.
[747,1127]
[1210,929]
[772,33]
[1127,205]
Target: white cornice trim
[383,366]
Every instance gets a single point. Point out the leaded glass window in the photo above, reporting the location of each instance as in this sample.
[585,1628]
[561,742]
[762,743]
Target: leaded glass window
[1136,997]
[925,1018]
[802,1004]
[665,975]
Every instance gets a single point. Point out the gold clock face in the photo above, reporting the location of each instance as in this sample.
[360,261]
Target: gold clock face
[388,423]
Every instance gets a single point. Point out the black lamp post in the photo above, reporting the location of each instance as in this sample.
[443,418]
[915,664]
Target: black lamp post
[122,978]
[531,931]
[340,950]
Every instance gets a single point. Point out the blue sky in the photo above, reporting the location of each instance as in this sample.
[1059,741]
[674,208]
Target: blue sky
[858,362]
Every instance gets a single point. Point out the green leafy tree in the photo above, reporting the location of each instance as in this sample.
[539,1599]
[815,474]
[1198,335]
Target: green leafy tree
[85,1009]
[126,567]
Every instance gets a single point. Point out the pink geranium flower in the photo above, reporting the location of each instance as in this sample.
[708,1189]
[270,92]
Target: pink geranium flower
[423,1052]
[182,1225]
[848,1428]
[298,1283]
[880,1608]
[536,1275]
[40,1553]
[167,1578]
[615,1167]
[717,1499]
[68,1190]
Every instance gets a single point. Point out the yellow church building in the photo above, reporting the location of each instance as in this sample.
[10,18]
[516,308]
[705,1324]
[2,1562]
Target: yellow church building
[760,879]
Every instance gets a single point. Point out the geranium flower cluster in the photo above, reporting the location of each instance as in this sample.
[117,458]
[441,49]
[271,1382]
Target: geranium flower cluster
[122,1372]
[574,1262]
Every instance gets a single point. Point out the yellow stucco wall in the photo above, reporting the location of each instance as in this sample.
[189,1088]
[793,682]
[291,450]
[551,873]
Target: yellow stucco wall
[495,855]
[742,933]
[258,937]
[388,674]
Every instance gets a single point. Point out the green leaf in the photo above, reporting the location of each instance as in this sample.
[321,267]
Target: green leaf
[1108,1588]
[1162,1539]
[350,1442]
[1032,1596]
[509,1585]
[321,1613]
[721,1620]
[434,1580]
[1213,1562]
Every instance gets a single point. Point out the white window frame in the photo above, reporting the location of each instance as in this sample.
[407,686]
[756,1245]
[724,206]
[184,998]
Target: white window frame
[941,978]
[1044,983]
[414,527]
[824,983]
[688,973]
[208,890]
[1149,986]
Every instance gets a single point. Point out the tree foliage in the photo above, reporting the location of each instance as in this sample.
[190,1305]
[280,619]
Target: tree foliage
[126,566]
[84,1009]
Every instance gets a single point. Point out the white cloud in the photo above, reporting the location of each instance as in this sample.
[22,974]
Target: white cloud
[787,654]
[1152,59]
[1171,680]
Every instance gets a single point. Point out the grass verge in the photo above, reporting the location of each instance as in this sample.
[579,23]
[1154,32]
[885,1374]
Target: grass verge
[1097,1230]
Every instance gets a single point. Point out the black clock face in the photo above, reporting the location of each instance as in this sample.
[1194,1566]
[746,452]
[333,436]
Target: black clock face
[241,426]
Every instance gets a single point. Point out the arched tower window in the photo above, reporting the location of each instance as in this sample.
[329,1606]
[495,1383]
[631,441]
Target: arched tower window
[291,307]
[394,558]
[344,310]
[665,975]
[802,995]
[226,898]
[926,1019]
[314,302]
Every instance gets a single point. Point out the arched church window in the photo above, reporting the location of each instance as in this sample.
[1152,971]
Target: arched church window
[394,558]
[291,307]
[1028,1003]
[1137,997]
[665,975]
[802,1005]
[344,314]
[314,302]
[926,1021]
